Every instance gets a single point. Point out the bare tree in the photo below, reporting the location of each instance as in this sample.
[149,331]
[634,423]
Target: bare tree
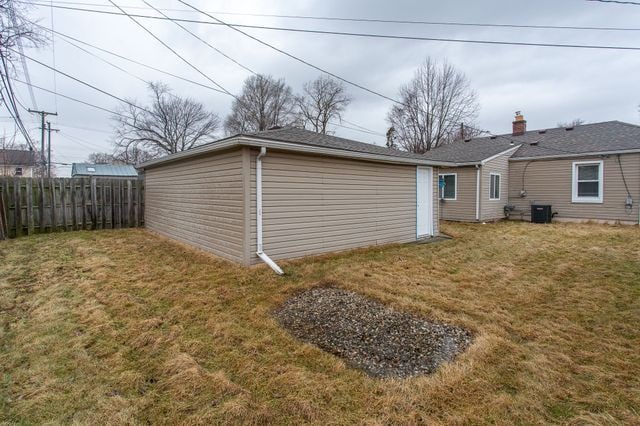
[263,103]
[168,125]
[101,158]
[572,123]
[133,155]
[432,107]
[323,99]
[16,29]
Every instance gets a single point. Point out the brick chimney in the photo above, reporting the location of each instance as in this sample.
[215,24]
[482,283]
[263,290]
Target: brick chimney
[519,124]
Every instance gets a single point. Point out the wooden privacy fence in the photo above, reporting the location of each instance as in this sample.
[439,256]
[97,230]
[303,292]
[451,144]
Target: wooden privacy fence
[39,205]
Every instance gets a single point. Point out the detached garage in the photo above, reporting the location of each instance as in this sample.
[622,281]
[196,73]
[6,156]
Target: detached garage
[287,193]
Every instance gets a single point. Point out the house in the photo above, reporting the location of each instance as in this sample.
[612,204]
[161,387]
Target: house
[286,193]
[589,172]
[17,162]
[122,171]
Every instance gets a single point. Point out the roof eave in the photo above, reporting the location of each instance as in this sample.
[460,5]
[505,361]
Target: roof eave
[252,141]
[573,155]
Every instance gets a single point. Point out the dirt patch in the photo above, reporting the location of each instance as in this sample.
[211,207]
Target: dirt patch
[369,335]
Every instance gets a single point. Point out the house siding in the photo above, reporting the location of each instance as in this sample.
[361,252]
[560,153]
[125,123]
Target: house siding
[494,209]
[199,201]
[550,182]
[318,204]
[463,208]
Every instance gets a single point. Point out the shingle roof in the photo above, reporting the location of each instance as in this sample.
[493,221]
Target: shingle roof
[607,136]
[17,157]
[473,151]
[307,137]
[119,170]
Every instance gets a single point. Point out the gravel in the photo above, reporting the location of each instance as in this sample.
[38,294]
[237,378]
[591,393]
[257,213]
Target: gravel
[370,336]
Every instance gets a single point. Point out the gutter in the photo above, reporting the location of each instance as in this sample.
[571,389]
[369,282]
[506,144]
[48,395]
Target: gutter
[260,252]
[478,175]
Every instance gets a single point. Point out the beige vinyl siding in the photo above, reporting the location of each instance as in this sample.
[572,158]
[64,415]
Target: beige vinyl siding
[463,208]
[199,201]
[494,209]
[318,204]
[550,182]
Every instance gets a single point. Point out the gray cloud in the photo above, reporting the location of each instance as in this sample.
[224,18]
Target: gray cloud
[549,85]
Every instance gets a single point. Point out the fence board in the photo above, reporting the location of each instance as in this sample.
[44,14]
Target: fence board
[36,205]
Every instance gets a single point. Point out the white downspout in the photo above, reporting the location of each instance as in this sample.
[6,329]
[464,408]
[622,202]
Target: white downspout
[261,254]
[478,192]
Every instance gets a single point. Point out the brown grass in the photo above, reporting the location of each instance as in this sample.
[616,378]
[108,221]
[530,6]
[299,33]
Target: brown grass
[125,327]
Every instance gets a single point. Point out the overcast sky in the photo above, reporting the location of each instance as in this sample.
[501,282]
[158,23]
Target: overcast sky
[549,85]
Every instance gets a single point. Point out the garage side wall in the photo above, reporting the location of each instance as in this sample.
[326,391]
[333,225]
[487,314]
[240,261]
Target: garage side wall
[316,204]
[200,202]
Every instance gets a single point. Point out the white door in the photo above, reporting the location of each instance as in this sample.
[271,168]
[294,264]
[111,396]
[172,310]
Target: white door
[424,201]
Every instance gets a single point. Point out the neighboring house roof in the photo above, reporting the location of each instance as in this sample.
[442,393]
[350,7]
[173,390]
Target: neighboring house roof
[17,157]
[585,139]
[294,139]
[118,170]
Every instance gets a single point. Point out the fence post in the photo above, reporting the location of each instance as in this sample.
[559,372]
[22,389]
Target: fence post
[42,228]
[94,205]
[74,208]
[30,219]
[52,205]
[17,203]
[103,202]
[63,203]
[3,216]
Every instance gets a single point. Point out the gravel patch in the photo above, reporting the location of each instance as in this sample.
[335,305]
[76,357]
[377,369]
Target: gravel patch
[370,336]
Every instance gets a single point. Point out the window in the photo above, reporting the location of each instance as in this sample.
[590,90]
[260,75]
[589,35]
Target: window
[448,186]
[18,171]
[587,182]
[494,188]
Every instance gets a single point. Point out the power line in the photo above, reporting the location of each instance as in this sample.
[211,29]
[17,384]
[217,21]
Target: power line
[71,98]
[201,39]
[384,21]
[635,3]
[85,83]
[172,50]
[181,26]
[53,56]
[290,55]
[11,104]
[366,35]
[25,68]
[133,61]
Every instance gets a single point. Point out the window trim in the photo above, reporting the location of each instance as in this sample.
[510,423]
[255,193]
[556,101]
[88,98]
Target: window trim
[499,186]
[575,198]
[15,171]
[441,190]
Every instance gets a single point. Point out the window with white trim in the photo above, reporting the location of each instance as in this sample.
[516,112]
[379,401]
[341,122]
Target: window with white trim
[448,184]
[18,171]
[587,182]
[494,187]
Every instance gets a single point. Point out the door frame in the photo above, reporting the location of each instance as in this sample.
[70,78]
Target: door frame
[426,213]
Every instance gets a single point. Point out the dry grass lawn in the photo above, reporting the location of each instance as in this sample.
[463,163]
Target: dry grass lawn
[126,327]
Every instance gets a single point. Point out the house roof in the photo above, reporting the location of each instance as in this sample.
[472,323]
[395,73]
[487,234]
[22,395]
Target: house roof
[17,157]
[295,139]
[585,139]
[88,169]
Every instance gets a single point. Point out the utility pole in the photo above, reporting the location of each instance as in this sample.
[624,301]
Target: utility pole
[43,114]
[49,130]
